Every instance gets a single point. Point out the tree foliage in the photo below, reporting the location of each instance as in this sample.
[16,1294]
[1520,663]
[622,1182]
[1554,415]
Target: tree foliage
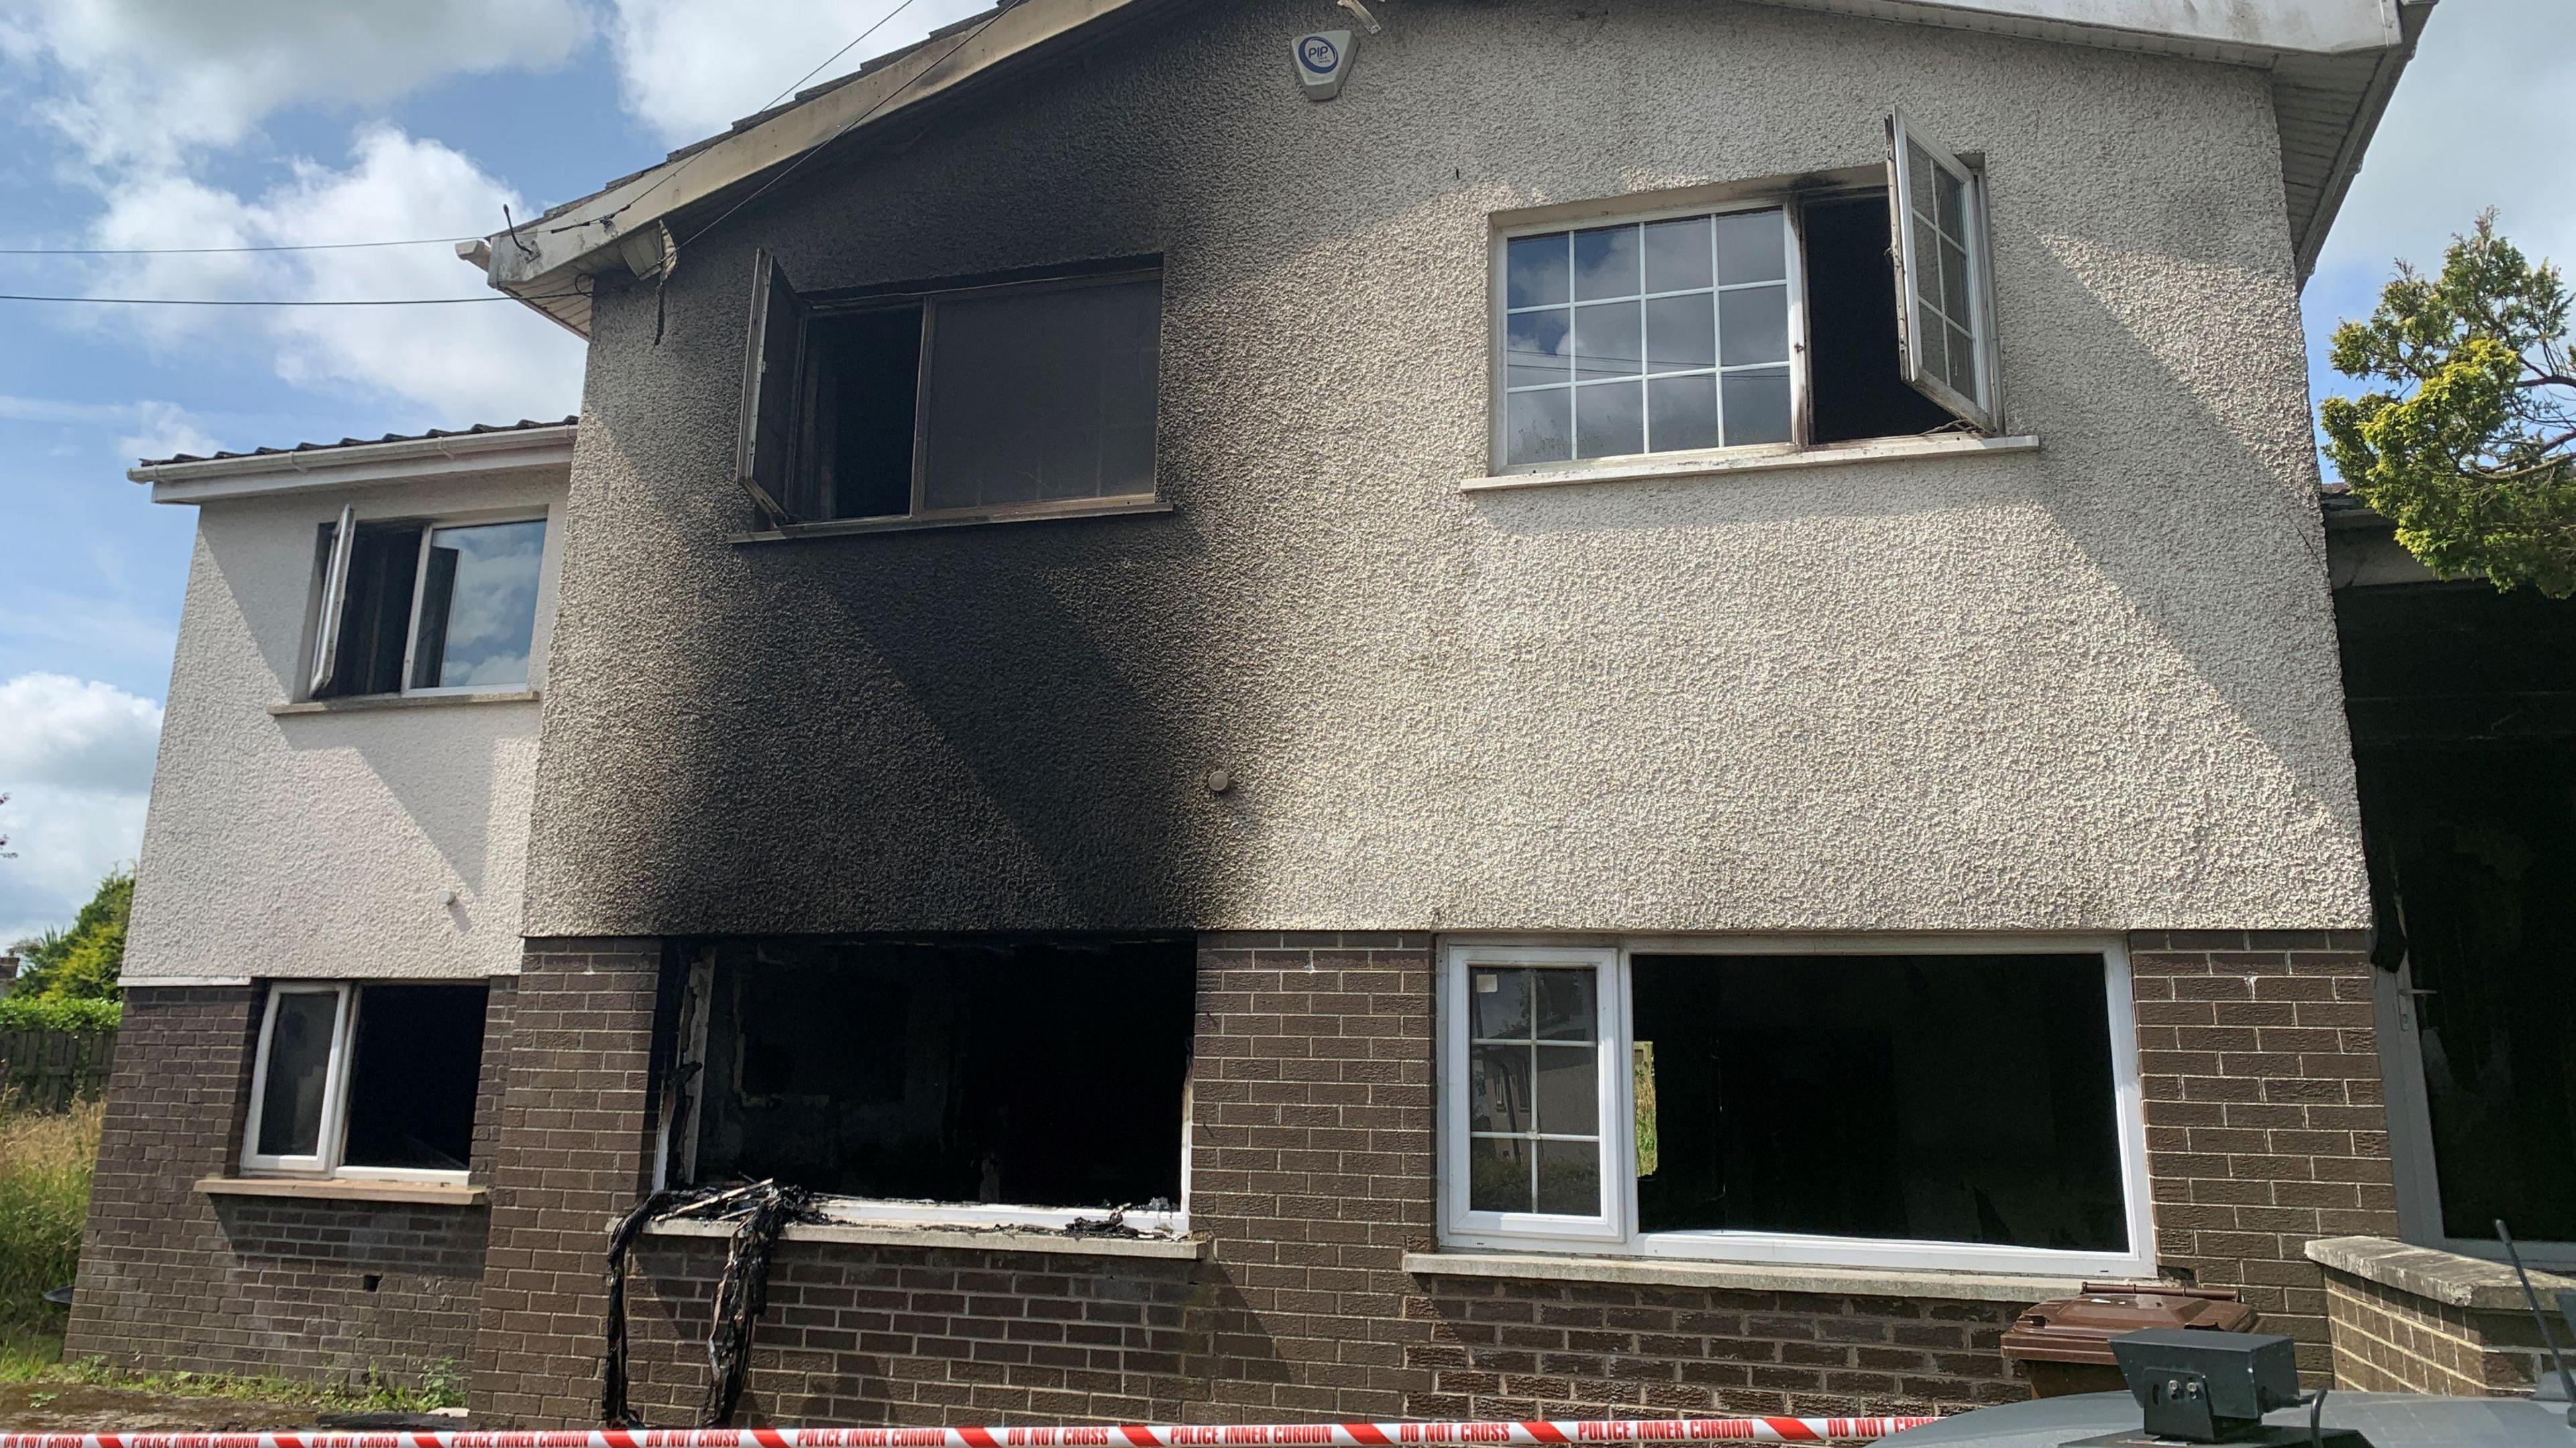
[81,963]
[2470,455]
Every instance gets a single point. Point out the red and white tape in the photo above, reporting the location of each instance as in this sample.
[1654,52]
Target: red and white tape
[1285,1435]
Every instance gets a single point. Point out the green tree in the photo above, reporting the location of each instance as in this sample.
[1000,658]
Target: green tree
[2470,454]
[81,963]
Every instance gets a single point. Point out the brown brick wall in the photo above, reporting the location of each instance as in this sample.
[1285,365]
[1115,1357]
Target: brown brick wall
[2391,1341]
[2266,1127]
[172,1278]
[571,1156]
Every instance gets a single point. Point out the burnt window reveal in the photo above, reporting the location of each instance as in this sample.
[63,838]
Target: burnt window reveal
[1833,316]
[1022,399]
[1958,1107]
[366,1079]
[1045,1074]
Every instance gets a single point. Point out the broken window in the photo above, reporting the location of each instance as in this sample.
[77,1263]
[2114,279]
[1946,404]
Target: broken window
[1822,1107]
[1028,398]
[414,607]
[1762,324]
[368,1079]
[1032,1076]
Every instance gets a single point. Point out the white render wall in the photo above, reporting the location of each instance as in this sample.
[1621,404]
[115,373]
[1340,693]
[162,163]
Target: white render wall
[324,844]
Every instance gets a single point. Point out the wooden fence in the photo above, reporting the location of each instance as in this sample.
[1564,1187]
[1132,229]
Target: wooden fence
[49,1070]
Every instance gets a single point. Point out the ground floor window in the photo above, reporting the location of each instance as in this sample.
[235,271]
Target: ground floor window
[1034,1080]
[366,1079]
[1932,1105]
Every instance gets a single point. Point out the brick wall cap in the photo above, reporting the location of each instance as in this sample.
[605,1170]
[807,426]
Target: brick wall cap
[437,1194]
[955,1238]
[2444,1277]
[1904,1282]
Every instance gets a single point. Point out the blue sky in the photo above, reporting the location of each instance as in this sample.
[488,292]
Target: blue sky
[139,123]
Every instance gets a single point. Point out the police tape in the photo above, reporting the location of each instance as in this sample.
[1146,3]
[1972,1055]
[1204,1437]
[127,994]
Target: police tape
[1287,1435]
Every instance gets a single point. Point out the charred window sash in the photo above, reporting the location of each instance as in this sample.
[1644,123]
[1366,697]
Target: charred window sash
[1938,236]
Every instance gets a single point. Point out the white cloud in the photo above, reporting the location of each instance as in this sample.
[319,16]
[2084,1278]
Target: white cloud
[481,361]
[76,762]
[690,68]
[148,80]
[163,429]
[2479,120]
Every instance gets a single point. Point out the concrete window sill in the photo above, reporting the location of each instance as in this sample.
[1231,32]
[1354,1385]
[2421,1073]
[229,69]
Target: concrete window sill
[843,527]
[422,1194]
[368,703]
[1746,1276]
[1758,460]
[2432,1274]
[969,1239]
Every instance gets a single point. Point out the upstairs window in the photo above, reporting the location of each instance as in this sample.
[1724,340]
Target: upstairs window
[1831,317]
[414,607]
[1027,399]
[366,1080]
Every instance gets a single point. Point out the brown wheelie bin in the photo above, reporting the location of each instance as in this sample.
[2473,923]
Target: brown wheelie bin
[2065,1344]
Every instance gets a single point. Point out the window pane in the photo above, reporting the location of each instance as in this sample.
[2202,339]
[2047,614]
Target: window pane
[384,563]
[1753,325]
[1498,1088]
[478,606]
[1963,363]
[1038,395]
[1680,332]
[1498,1004]
[1605,341]
[1569,1178]
[1609,420]
[1952,205]
[1538,347]
[299,1067]
[1681,412]
[1757,407]
[1535,270]
[1605,263]
[1677,254]
[1498,1174]
[1918,175]
[414,1065]
[1569,1094]
[1564,999]
[1751,247]
[1927,264]
[1539,427]
[1954,282]
[1979,1086]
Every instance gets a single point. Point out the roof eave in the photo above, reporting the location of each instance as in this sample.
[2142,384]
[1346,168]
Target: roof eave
[358,464]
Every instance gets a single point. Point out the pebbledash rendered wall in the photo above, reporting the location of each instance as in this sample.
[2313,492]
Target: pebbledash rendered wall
[2088,688]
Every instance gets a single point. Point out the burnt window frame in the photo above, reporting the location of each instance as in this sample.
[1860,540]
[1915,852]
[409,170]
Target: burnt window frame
[1613,1231]
[770,445]
[335,546]
[326,1162]
[1979,416]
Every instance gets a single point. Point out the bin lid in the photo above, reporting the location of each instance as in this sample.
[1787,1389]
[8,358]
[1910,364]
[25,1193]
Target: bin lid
[2079,1329]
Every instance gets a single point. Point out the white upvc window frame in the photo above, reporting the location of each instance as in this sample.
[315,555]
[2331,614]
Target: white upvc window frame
[332,1140]
[1613,1232]
[334,596]
[1976,245]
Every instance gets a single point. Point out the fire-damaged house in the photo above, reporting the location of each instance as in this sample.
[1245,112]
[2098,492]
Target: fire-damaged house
[1637,712]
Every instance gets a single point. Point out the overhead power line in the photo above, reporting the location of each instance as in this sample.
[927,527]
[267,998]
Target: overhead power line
[291,301]
[225,250]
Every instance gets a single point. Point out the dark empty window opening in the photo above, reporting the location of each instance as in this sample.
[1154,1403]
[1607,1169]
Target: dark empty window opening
[414,1066]
[1948,1098]
[375,620]
[862,375]
[1856,383]
[1042,1073]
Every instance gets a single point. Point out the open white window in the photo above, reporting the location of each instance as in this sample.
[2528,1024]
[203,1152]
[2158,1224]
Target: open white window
[366,1080]
[418,606]
[1938,236]
[1031,398]
[1758,323]
[1936,1104]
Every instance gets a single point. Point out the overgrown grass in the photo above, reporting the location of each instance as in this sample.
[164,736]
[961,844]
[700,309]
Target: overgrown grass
[442,1386]
[46,1159]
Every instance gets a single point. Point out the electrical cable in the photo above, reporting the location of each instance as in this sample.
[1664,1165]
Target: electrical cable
[290,301]
[225,250]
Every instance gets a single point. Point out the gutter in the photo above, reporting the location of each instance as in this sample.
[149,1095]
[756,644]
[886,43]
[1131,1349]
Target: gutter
[358,464]
[2411,15]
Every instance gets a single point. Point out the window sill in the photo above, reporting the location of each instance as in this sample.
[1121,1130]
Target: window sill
[2430,1273]
[1748,1276]
[796,532]
[1703,465]
[365,703]
[973,1239]
[345,1189]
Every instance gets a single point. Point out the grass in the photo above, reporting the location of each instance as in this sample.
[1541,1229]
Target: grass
[442,1386]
